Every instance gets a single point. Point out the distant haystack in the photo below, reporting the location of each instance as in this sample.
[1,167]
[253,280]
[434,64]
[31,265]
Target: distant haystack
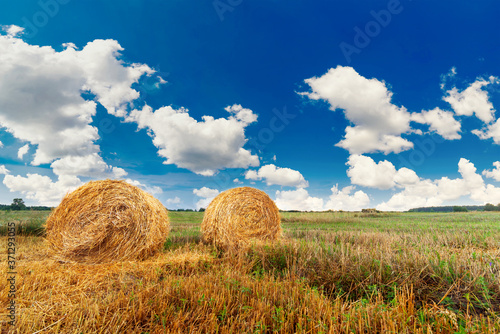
[104,221]
[238,215]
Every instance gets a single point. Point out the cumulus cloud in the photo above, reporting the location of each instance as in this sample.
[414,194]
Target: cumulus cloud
[173,201]
[298,200]
[491,131]
[425,192]
[91,165]
[41,188]
[419,192]
[42,104]
[13,30]
[242,114]
[278,176]
[473,100]
[365,172]
[440,121]
[4,170]
[109,77]
[378,124]
[22,151]
[493,173]
[344,200]
[202,147]
[41,93]
[154,190]
[207,195]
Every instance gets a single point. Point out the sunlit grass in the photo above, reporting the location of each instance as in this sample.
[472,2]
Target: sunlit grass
[332,273]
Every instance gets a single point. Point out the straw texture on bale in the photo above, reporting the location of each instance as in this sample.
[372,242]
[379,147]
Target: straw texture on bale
[239,215]
[105,221]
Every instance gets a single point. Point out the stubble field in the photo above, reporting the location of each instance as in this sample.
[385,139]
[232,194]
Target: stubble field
[331,273]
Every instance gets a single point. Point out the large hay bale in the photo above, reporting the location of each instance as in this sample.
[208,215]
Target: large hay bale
[238,215]
[104,221]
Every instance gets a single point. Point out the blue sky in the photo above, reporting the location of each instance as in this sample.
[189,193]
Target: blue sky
[323,105]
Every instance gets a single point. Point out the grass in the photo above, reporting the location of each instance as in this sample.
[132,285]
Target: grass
[332,273]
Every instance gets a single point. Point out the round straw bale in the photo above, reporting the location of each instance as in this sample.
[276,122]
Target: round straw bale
[104,221]
[238,215]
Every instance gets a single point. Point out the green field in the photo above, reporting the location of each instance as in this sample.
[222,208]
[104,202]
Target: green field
[331,273]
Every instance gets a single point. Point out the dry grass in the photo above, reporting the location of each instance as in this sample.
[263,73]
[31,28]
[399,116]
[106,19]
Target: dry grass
[106,221]
[240,215]
[316,280]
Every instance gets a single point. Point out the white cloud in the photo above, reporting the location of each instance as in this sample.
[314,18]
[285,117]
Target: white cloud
[361,139]
[298,200]
[343,200]
[40,94]
[473,100]
[446,77]
[339,200]
[13,30]
[207,195]
[202,147]
[42,104]
[491,131]
[174,201]
[22,151]
[426,192]
[279,176]
[237,181]
[440,121]
[365,172]
[405,177]
[378,124]
[242,114]
[109,77]
[4,170]
[154,190]
[494,173]
[206,192]
[91,165]
[417,192]
[41,188]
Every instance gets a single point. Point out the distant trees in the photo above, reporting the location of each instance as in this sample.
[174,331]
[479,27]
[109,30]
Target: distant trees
[18,204]
[460,209]
[491,207]
[449,208]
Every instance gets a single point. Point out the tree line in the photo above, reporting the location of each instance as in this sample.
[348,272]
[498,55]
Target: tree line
[456,208]
[18,205]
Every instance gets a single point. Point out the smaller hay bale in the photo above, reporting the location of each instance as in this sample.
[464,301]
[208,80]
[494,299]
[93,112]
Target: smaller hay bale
[237,216]
[105,221]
